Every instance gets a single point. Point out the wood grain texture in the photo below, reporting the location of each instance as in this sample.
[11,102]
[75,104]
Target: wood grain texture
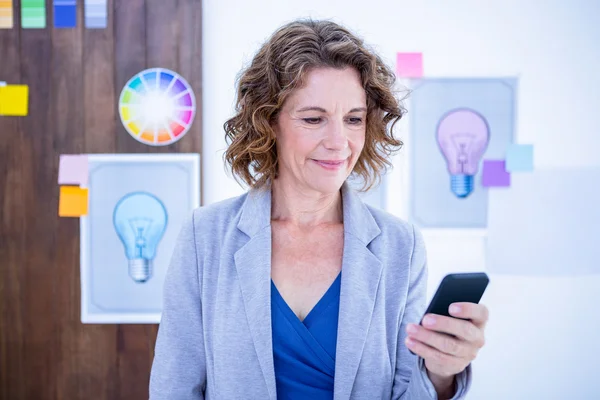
[38,278]
[130,58]
[101,114]
[190,67]
[95,347]
[75,78]
[12,230]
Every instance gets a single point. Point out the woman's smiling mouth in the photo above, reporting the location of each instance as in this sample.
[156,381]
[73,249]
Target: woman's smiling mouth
[331,165]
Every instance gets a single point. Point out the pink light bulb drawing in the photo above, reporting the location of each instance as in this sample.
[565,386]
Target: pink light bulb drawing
[463,136]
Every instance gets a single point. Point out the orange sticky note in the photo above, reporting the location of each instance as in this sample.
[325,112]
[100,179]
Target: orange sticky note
[73,201]
[14,100]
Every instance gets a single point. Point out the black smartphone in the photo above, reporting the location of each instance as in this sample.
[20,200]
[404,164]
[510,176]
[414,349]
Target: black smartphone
[457,288]
[465,287]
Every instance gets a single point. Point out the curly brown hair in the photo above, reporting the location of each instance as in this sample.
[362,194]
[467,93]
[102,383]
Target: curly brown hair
[280,67]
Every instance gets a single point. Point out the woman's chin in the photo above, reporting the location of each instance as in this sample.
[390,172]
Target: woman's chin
[327,185]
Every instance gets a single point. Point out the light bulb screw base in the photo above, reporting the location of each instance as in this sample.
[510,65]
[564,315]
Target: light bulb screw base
[461,185]
[140,269]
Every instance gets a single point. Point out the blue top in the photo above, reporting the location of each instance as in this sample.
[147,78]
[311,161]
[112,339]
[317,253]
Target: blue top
[304,351]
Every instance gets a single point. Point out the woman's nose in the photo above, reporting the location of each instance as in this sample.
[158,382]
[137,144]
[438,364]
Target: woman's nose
[335,137]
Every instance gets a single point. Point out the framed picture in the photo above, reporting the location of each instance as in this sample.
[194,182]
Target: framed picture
[456,123]
[137,205]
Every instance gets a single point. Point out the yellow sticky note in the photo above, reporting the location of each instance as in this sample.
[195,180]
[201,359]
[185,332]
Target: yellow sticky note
[14,100]
[73,201]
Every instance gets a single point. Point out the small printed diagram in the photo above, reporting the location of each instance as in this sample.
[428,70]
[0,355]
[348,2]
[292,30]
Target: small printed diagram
[137,205]
[140,220]
[456,124]
[462,136]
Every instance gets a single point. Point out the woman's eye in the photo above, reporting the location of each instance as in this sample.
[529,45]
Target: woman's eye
[355,121]
[312,120]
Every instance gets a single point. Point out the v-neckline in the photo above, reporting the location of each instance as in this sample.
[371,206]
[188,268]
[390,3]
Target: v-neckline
[317,309]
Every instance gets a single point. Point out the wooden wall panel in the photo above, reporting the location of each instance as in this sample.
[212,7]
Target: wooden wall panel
[189,64]
[12,232]
[130,57]
[75,78]
[38,262]
[101,115]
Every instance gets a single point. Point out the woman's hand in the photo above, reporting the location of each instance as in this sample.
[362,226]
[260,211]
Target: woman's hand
[445,355]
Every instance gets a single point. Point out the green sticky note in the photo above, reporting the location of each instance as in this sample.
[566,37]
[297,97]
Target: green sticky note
[33,14]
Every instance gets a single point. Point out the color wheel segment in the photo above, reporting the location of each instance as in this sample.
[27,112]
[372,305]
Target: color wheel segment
[157,107]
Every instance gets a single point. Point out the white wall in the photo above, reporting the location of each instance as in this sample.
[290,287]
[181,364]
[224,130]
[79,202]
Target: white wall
[542,335]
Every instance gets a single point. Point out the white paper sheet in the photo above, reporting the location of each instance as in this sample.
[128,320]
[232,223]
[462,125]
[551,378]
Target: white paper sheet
[546,223]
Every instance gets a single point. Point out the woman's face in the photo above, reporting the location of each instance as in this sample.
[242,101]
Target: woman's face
[320,131]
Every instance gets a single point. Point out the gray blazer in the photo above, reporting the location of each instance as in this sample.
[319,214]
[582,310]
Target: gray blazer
[214,339]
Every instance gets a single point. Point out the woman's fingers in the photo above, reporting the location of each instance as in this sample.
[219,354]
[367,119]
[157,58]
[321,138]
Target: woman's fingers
[444,343]
[462,329]
[436,361]
[449,344]
[478,314]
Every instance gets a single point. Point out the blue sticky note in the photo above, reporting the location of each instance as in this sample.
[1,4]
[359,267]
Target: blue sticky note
[96,14]
[65,13]
[519,158]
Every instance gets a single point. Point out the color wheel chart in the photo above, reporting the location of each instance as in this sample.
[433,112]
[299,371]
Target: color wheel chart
[157,107]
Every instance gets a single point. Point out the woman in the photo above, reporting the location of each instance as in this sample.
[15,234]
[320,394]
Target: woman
[297,289]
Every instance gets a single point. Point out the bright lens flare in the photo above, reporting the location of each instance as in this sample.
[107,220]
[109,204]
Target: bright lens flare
[156,108]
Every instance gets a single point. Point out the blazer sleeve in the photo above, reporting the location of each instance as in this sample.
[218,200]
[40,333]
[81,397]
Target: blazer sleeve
[411,381]
[179,366]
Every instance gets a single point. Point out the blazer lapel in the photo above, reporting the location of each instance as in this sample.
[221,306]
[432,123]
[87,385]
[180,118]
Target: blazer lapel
[361,272]
[253,264]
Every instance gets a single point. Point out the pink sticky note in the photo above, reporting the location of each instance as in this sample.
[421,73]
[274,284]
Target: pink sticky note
[73,169]
[495,174]
[409,65]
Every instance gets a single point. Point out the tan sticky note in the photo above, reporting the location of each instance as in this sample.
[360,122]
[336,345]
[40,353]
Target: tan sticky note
[73,201]
[6,14]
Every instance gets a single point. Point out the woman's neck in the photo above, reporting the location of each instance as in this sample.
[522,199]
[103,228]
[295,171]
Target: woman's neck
[302,208]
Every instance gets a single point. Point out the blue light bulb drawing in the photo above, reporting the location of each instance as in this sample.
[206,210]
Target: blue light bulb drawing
[463,136]
[140,220]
